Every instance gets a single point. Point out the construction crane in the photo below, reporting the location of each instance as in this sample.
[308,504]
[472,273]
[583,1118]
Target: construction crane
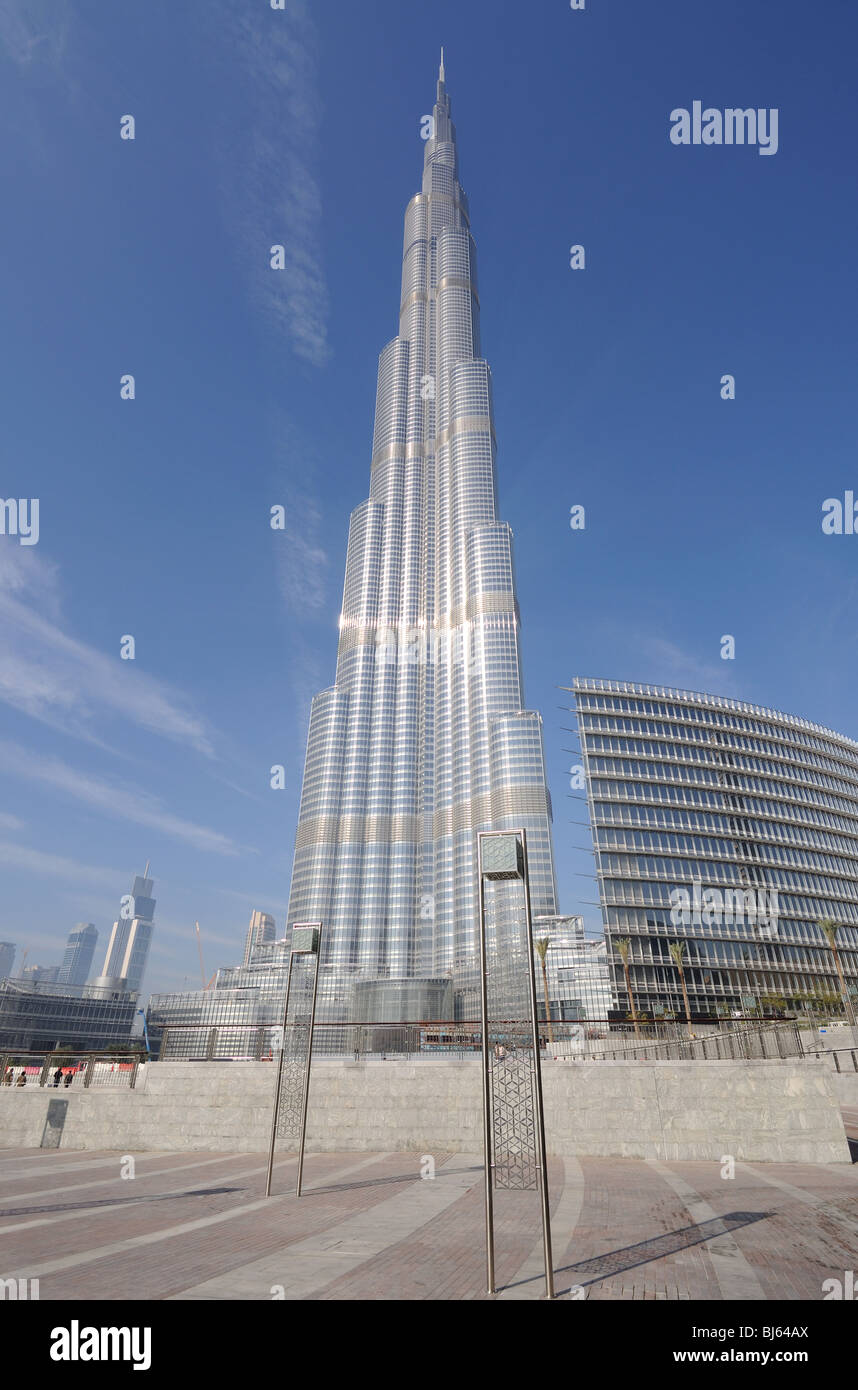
[202,967]
[200,947]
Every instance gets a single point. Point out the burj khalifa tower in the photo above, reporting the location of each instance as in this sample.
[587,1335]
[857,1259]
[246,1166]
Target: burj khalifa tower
[423,739]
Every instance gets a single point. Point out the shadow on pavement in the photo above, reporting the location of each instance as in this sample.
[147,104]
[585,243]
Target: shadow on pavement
[379,1182]
[631,1256]
[119,1201]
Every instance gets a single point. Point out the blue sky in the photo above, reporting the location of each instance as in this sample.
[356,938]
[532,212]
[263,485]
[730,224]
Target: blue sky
[256,127]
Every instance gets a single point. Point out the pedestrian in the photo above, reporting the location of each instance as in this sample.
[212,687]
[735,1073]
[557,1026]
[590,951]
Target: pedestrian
[68,1078]
[22,1079]
[58,1076]
[8,1078]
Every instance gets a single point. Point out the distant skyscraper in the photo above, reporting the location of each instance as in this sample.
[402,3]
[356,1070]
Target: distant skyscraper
[261,932]
[131,937]
[40,974]
[77,960]
[7,958]
[423,740]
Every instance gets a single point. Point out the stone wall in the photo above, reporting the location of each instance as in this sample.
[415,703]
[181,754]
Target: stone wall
[845,1087]
[777,1111]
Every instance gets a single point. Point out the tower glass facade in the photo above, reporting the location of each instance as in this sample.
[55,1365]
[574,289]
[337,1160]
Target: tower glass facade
[726,826]
[423,740]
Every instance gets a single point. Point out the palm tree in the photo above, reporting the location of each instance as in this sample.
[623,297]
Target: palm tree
[677,950]
[623,947]
[542,946]
[829,930]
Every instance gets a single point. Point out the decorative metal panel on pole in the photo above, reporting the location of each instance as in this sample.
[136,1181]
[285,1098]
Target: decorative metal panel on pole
[289,1118]
[513,1110]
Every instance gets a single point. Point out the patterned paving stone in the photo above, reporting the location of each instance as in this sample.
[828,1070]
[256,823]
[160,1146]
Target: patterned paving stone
[374,1227]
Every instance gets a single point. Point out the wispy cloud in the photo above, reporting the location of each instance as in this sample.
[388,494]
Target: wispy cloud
[35,861]
[301,562]
[668,664]
[33,31]
[65,683]
[271,192]
[114,799]
[301,559]
[274,903]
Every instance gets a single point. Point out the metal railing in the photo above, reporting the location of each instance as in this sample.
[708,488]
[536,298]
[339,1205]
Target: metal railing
[836,1053]
[777,1042]
[594,1040]
[348,1041]
[69,1071]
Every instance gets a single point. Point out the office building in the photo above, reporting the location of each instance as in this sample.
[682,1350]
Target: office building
[727,827]
[40,974]
[41,1016]
[77,961]
[261,932]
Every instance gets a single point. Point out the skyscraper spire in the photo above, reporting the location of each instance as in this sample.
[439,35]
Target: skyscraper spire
[441,70]
[423,739]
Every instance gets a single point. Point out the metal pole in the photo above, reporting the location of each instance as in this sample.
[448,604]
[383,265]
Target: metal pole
[540,1116]
[307,1068]
[487,1097]
[277,1086]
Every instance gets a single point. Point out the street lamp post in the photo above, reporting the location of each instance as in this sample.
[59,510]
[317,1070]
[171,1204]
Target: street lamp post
[503,856]
[306,941]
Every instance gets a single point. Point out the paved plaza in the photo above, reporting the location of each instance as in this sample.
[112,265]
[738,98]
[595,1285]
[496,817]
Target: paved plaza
[369,1226]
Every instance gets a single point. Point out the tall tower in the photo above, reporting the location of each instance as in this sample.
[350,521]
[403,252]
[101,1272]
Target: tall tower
[79,952]
[131,936]
[423,740]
